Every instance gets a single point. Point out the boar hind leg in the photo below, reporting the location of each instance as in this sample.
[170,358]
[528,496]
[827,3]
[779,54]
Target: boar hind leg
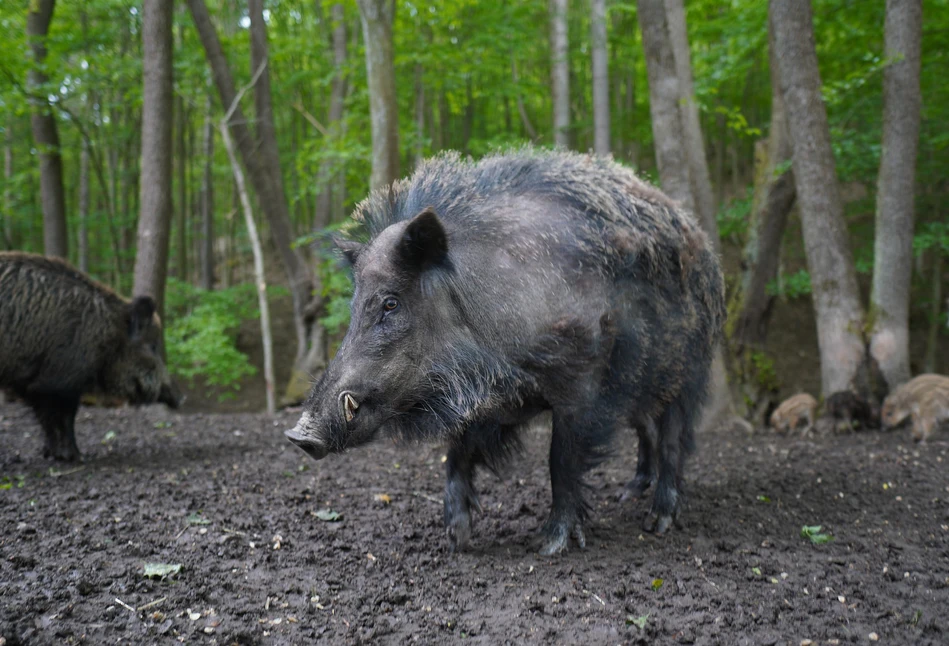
[675,442]
[486,444]
[645,463]
[57,416]
[577,443]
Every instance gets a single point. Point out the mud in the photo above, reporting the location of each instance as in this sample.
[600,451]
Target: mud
[232,502]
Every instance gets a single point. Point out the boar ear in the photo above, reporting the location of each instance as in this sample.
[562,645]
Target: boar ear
[424,243]
[140,313]
[350,248]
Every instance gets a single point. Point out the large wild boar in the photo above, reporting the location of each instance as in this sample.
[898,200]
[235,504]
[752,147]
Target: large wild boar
[62,334]
[488,292]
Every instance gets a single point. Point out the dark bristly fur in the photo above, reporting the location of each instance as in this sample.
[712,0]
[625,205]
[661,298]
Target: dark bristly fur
[63,334]
[526,281]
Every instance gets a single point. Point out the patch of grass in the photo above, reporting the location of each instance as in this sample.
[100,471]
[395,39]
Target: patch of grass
[813,533]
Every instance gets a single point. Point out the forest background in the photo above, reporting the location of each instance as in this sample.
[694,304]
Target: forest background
[318,117]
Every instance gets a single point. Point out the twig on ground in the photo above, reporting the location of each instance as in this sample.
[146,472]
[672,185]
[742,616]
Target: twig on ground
[152,604]
[124,605]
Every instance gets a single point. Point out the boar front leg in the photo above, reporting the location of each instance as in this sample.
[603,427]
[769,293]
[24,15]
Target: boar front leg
[645,463]
[486,443]
[578,442]
[57,416]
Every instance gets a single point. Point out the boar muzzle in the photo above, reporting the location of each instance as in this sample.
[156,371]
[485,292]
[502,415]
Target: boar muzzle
[302,437]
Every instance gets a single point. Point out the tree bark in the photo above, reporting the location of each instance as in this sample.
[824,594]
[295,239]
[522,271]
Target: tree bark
[207,201]
[521,110]
[377,18]
[932,337]
[266,180]
[45,133]
[560,72]
[830,263]
[8,184]
[702,195]
[182,206]
[601,78]
[259,277]
[419,115]
[893,247]
[154,224]
[774,197]
[83,236]
[324,201]
[671,157]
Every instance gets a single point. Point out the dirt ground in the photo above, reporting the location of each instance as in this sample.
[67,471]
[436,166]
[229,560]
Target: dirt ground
[235,504]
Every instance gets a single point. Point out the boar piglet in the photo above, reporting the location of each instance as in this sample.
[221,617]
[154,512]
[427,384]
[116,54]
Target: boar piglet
[490,291]
[63,334]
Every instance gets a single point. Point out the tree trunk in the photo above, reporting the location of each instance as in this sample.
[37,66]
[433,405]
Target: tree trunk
[932,337]
[377,18]
[45,133]
[182,206]
[702,194]
[419,116]
[830,263]
[265,178]
[154,224]
[671,157]
[8,184]
[893,248]
[324,201]
[259,279]
[83,237]
[207,201]
[521,110]
[601,78]
[773,199]
[560,72]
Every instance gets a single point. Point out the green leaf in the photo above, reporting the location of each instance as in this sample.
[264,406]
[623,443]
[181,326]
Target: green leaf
[197,519]
[161,570]
[656,584]
[763,499]
[756,571]
[328,515]
[813,533]
[639,622]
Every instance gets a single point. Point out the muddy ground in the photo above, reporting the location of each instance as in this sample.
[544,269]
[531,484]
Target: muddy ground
[232,502]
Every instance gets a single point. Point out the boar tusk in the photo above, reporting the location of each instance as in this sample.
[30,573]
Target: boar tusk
[349,406]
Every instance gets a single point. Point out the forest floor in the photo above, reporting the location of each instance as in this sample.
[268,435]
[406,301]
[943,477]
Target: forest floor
[227,498]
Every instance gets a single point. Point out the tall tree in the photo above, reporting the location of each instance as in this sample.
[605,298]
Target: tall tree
[181,163]
[773,199]
[8,184]
[830,263]
[702,195]
[893,248]
[671,156]
[83,234]
[560,71]
[268,184]
[324,200]
[45,132]
[206,239]
[154,223]
[377,18]
[601,78]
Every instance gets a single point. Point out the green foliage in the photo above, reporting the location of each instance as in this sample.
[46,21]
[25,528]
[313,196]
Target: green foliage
[733,218]
[794,286]
[932,235]
[200,334]
[764,371]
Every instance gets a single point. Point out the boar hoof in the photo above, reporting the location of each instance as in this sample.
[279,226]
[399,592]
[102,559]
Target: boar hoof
[458,506]
[659,524]
[557,535]
[635,488]
[62,453]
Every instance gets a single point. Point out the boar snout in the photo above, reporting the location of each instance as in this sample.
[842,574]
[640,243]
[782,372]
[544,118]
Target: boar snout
[302,436]
[171,396]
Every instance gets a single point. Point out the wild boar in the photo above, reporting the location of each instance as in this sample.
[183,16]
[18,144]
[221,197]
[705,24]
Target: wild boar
[63,334]
[490,291]
[846,407]
[794,410]
[924,398]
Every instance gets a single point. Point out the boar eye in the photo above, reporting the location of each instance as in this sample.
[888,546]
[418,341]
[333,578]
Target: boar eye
[390,305]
